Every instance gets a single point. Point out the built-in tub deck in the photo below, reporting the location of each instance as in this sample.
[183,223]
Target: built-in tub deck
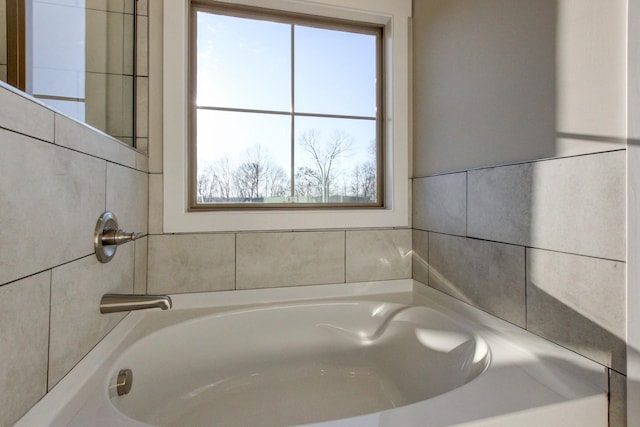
[393,353]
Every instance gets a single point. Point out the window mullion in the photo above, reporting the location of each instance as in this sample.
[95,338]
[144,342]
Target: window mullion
[293,125]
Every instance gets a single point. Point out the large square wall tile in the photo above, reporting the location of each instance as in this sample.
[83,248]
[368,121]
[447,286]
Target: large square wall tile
[51,199]
[24,340]
[21,114]
[488,275]
[79,137]
[574,204]
[290,259]
[578,302]
[191,263]
[440,203]
[378,255]
[76,322]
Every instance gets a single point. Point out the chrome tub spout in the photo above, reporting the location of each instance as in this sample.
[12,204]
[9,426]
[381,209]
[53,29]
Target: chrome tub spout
[113,303]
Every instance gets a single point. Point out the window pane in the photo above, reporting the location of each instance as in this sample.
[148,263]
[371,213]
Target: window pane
[243,63]
[243,157]
[335,72]
[335,160]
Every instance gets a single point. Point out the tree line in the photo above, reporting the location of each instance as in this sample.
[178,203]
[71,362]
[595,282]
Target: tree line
[322,179]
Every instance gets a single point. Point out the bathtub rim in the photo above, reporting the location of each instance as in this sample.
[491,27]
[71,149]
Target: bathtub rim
[61,404]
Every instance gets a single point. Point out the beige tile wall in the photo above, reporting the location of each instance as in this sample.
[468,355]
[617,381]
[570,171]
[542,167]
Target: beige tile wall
[76,323]
[568,214]
[30,169]
[191,263]
[574,204]
[378,255]
[24,337]
[449,214]
[578,302]
[544,248]
[289,259]
[56,177]
[250,260]
[25,116]
[484,274]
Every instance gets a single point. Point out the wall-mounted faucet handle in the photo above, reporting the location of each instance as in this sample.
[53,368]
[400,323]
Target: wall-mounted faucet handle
[107,236]
[118,237]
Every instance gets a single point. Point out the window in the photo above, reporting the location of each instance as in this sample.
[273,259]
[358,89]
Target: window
[286,110]
[386,119]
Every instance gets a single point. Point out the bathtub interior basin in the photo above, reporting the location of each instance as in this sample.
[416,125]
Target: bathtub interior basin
[295,364]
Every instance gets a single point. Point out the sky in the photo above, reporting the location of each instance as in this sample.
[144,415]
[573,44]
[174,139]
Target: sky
[246,63]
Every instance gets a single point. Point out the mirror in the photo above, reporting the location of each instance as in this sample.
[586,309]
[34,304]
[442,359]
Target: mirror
[76,56]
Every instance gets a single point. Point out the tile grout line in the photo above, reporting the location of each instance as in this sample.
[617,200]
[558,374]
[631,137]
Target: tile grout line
[49,335]
[523,162]
[524,246]
[345,256]
[526,297]
[466,205]
[106,178]
[146,276]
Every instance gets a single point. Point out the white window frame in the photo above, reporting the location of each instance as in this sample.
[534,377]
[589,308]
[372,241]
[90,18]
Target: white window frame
[394,16]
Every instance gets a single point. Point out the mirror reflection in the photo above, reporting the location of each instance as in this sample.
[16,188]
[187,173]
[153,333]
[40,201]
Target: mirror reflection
[76,56]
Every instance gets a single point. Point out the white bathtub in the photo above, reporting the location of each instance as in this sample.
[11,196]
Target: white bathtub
[371,354]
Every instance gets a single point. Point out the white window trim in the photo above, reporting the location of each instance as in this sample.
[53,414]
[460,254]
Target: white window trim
[394,15]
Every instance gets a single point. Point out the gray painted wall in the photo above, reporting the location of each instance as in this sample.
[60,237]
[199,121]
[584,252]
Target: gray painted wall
[497,82]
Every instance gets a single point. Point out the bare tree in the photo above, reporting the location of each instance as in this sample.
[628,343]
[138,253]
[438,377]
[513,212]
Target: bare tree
[365,177]
[213,182]
[206,185]
[307,183]
[258,177]
[224,178]
[278,182]
[364,182]
[250,173]
[324,157]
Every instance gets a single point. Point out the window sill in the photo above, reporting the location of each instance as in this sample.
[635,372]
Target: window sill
[185,222]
